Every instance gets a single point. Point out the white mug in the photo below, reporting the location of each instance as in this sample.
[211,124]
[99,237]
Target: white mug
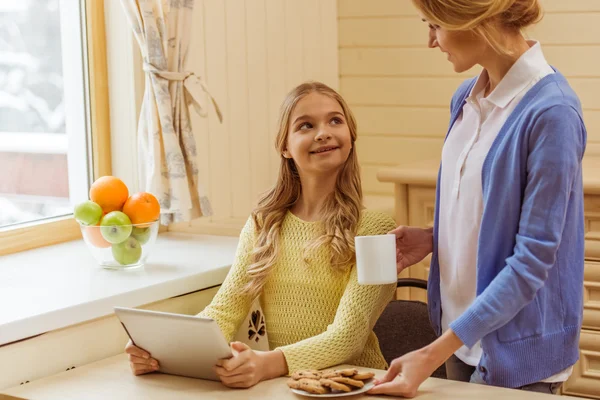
[376,259]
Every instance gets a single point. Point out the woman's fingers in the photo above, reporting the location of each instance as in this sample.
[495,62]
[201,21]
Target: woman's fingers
[399,231]
[397,387]
[391,373]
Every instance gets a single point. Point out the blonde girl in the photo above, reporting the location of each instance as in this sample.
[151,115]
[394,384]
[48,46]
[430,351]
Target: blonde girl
[296,254]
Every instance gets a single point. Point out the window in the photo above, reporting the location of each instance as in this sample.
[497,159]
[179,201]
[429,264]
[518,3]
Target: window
[50,109]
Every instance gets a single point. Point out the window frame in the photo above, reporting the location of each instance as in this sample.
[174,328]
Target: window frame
[62,229]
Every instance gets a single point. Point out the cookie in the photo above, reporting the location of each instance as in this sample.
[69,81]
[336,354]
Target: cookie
[348,372]
[308,385]
[335,385]
[363,376]
[330,374]
[293,383]
[309,374]
[339,372]
[348,381]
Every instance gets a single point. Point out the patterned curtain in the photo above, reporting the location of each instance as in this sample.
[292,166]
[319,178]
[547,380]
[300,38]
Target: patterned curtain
[168,166]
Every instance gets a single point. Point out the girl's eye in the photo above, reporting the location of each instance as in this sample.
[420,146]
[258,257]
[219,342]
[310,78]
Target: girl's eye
[336,121]
[434,27]
[304,126]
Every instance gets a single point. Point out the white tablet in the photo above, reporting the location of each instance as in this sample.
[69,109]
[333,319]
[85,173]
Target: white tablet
[183,344]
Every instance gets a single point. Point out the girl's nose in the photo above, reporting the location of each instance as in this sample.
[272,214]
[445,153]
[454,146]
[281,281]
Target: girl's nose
[323,134]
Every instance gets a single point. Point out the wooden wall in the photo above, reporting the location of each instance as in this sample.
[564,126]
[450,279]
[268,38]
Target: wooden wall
[251,53]
[400,90]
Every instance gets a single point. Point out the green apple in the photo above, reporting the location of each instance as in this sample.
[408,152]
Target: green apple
[127,252]
[88,213]
[115,227]
[141,234]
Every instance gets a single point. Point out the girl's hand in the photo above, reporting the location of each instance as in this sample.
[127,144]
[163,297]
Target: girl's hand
[248,367]
[140,360]
[243,370]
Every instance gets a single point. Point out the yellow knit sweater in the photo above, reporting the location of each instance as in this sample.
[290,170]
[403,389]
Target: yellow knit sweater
[316,316]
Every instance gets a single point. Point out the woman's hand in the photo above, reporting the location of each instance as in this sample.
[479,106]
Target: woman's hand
[140,360]
[408,372]
[248,367]
[405,375]
[412,245]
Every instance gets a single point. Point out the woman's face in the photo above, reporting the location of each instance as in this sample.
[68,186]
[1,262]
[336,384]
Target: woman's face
[463,48]
[319,139]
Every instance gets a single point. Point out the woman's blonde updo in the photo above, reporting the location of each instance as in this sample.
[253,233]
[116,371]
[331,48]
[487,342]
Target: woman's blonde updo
[487,18]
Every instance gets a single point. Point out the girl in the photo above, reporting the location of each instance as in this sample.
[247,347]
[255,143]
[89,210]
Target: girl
[296,254]
[506,277]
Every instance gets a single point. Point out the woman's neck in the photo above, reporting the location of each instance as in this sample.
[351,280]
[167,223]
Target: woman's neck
[497,65]
[315,191]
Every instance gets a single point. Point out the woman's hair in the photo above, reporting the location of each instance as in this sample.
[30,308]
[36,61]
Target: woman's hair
[340,213]
[483,17]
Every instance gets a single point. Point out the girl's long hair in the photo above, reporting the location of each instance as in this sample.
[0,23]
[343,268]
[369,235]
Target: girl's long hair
[341,211]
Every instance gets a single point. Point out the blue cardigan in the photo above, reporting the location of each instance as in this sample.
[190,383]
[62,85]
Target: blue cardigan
[530,253]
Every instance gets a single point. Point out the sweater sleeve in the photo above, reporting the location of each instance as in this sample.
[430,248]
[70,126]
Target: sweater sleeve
[357,313]
[556,148]
[229,307]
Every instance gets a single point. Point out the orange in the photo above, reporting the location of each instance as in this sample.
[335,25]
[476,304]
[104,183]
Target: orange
[94,236]
[142,208]
[110,193]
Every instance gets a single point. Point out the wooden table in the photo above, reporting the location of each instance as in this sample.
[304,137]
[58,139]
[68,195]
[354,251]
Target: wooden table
[112,379]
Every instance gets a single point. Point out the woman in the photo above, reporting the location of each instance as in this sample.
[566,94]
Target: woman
[296,253]
[506,277]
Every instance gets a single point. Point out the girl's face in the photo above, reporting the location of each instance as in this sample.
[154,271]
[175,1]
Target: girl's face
[319,139]
[463,48]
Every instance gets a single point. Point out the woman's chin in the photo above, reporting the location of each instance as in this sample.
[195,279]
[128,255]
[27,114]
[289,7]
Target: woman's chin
[457,68]
[460,68]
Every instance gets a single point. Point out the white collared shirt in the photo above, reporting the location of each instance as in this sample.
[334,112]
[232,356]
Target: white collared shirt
[461,191]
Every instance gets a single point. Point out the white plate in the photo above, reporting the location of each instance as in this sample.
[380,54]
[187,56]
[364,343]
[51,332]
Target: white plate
[368,385]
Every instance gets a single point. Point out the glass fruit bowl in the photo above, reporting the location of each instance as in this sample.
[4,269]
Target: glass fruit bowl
[120,246]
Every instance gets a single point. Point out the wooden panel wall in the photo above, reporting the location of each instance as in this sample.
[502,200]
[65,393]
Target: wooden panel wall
[251,53]
[400,90]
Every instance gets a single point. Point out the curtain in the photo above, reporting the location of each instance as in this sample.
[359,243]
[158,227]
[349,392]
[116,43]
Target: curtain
[168,165]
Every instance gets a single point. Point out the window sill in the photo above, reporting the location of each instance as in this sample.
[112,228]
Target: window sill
[60,285]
